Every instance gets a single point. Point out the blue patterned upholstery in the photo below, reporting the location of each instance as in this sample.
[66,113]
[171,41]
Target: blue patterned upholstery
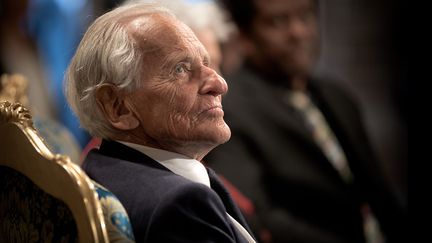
[116,218]
[28,214]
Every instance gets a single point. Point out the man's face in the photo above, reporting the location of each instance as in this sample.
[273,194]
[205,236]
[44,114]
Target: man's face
[179,101]
[284,35]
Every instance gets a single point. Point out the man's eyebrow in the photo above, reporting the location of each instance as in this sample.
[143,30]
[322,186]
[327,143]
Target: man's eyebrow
[206,57]
[190,56]
[175,57]
[180,54]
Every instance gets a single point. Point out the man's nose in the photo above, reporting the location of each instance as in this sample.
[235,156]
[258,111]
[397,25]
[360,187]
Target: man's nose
[297,29]
[212,82]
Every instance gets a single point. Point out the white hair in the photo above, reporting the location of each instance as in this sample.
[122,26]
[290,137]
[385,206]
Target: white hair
[105,55]
[203,15]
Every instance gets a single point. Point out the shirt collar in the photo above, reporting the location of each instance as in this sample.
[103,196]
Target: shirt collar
[179,164]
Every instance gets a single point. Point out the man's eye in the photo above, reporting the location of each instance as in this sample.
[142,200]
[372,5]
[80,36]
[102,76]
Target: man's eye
[279,21]
[182,67]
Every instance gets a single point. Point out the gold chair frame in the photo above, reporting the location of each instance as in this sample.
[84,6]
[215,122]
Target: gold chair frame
[22,149]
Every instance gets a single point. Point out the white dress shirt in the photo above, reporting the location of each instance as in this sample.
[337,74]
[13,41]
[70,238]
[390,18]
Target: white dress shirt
[186,167]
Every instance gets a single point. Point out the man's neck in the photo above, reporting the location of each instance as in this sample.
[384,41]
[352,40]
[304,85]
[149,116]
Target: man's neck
[193,150]
[299,83]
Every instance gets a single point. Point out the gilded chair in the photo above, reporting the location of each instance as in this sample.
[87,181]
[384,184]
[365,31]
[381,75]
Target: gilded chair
[44,197]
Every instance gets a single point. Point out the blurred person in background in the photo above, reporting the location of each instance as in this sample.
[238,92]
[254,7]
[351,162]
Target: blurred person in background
[56,27]
[299,150]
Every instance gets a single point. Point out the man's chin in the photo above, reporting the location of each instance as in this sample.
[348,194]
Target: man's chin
[300,65]
[226,133]
[227,137]
[220,135]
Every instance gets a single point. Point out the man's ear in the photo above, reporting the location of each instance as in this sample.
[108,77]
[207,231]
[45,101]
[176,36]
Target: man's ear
[113,106]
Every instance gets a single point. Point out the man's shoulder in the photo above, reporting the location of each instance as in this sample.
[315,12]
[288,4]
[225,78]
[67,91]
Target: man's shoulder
[146,184]
[331,87]
[144,170]
[246,92]
[129,178]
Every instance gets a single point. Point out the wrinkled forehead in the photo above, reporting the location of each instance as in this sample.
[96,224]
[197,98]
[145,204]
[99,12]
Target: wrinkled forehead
[161,31]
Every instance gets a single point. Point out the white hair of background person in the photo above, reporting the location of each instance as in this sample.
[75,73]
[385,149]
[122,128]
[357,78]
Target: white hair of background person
[105,55]
[199,16]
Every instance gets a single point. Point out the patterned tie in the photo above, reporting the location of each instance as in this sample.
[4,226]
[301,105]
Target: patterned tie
[321,133]
[330,146]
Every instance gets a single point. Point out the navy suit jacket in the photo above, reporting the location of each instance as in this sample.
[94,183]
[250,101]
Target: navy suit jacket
[163,206]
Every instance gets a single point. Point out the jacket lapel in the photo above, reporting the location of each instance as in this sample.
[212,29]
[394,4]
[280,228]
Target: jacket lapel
[228,202]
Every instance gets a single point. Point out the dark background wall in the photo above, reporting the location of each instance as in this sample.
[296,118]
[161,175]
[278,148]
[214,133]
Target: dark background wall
[362,46]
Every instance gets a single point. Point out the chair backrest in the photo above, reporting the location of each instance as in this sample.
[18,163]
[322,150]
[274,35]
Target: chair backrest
[44,197]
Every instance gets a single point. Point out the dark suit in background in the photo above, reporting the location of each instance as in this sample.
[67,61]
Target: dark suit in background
[273,159]
[163,206]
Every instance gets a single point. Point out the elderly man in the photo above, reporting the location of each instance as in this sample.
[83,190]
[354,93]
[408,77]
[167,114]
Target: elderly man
[141,80]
